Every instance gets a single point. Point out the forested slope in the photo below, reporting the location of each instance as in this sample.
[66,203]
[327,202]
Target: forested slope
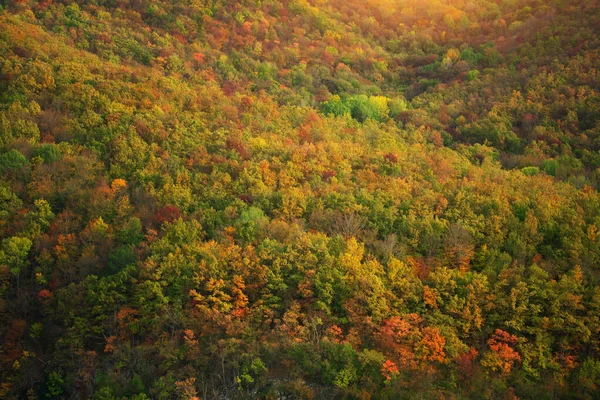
[311,199]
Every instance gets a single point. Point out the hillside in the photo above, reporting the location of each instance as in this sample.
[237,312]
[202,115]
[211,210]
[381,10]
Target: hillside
[306,199]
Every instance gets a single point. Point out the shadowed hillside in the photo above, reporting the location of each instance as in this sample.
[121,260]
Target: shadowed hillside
[323,199]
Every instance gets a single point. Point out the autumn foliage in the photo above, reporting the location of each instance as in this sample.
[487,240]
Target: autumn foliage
[299,199]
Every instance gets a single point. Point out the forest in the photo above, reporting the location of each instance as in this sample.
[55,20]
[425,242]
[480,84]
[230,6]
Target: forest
[300,199]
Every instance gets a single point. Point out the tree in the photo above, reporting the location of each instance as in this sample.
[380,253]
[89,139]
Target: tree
[14,254]
[501,356]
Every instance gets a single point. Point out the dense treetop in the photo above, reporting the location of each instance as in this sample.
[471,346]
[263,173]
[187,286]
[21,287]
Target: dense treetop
[312,199]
